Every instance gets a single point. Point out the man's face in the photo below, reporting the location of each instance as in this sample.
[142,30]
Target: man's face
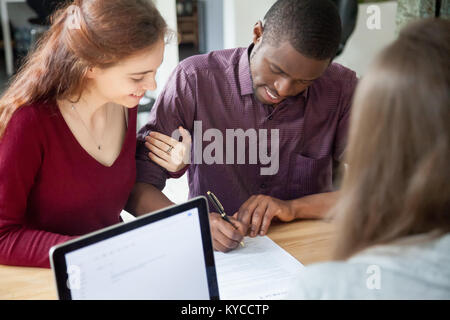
[281,72]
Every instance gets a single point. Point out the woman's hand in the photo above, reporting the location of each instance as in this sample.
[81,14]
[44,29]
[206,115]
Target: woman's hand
[167,152]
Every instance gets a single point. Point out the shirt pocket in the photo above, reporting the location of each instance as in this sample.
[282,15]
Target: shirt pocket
[308,175]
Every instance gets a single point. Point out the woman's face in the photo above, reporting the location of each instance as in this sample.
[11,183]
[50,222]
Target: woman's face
[126,82]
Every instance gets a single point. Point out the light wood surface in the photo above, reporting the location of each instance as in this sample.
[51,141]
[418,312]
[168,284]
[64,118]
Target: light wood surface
[309,241]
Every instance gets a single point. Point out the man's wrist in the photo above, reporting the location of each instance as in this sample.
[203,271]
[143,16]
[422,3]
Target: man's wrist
[296,208]
[314,206]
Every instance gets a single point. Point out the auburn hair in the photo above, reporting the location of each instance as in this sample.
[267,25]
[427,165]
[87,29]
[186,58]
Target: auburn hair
[107,31]
[397,181]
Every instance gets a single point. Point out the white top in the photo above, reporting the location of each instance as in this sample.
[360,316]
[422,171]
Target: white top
[412,268]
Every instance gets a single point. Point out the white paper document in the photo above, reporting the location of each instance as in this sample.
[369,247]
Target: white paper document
[260,270]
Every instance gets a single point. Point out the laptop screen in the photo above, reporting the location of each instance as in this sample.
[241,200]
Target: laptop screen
[163,259]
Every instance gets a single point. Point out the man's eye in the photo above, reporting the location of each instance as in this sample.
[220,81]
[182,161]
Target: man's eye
[137,80]
[274,70]
[305,82]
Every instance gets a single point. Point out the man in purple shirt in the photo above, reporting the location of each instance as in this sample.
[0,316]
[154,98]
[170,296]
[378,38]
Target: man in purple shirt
[267,123]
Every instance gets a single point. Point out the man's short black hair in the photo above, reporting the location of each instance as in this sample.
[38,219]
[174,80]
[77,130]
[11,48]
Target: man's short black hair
[312,27]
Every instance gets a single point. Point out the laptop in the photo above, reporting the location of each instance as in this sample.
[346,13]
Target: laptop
[165,255]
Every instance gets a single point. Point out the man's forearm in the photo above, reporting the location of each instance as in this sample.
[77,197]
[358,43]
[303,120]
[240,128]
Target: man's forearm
[146,198]
[314,206]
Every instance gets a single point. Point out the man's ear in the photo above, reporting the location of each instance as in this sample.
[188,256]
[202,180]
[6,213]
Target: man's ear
[258,30]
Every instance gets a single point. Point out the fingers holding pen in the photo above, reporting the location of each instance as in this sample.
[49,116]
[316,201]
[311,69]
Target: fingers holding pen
[226,236]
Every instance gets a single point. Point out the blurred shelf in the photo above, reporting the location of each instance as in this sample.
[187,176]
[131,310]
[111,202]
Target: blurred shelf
[188,24]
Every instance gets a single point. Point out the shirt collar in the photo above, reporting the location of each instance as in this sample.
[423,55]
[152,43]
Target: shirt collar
[245,77]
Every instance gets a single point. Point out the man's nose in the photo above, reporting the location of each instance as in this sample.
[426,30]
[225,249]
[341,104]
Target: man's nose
[284,87]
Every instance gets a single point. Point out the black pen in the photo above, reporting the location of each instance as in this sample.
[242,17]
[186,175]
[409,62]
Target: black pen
[220,209]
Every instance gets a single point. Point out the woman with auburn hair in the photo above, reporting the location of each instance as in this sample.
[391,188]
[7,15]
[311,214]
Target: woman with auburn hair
[68,125]
[394,210]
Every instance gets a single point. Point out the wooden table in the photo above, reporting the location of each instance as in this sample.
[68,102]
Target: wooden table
[308,241]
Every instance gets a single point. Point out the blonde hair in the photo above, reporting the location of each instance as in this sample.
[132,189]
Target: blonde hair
[398,178]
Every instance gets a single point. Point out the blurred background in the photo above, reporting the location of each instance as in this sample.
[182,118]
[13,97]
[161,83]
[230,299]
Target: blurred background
[203,26]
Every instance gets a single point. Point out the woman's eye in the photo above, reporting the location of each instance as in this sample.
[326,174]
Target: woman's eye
[137,80]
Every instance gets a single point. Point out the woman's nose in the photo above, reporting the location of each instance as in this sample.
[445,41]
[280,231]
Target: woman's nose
[150,84]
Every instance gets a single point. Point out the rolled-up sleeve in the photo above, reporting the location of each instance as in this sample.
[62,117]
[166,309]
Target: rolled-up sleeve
[174,107]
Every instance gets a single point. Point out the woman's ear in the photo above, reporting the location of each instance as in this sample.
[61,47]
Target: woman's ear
[92,72]
[258,30]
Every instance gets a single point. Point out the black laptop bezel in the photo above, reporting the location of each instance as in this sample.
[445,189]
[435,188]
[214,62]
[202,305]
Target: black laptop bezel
[57,253]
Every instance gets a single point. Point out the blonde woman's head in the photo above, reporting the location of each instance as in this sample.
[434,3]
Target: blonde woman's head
[398,177]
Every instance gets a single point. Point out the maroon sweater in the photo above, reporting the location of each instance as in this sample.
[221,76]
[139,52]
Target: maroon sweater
[51,189]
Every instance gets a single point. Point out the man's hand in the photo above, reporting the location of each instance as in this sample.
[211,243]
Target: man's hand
[225,237]
[258,211]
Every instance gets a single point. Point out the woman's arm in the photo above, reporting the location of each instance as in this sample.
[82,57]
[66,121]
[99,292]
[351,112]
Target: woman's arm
[145,198]
[21,154]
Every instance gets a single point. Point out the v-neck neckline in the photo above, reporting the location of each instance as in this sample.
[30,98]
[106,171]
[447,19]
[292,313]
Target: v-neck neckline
[84,151]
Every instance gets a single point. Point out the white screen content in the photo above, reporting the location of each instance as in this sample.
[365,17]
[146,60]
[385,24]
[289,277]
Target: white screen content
[161,260]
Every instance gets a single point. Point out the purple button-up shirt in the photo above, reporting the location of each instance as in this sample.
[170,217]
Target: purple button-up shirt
[214,91]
